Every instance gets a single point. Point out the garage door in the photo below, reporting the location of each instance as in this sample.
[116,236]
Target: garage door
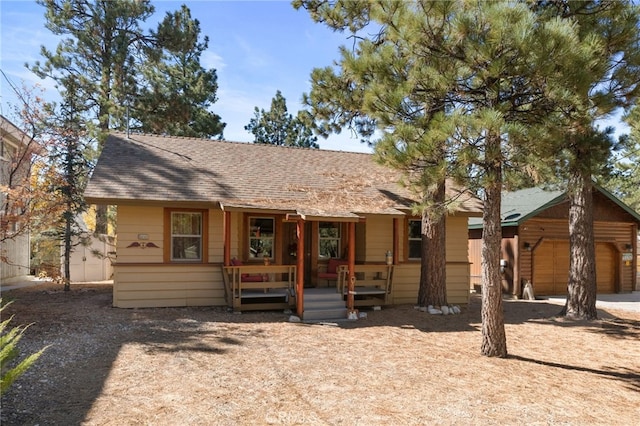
[551,268]
[606,268]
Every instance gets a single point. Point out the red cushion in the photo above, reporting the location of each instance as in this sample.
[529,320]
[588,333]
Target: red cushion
[251,278]
[327,275]
[332,268]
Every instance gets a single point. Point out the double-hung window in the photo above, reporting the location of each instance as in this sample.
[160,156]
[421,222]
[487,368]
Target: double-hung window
[329,240]
[414,235]
[261,237]
[187,236]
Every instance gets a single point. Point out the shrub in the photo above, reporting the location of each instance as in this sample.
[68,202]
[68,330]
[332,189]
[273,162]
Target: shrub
[9,338]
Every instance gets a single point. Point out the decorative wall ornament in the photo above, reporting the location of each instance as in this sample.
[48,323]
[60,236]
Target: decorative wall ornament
[142,244]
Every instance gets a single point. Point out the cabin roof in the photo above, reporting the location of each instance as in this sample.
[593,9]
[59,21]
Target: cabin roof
[247,176]
[519,206]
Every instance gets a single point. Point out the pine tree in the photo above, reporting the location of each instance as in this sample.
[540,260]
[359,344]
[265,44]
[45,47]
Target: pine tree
[69,157]
[602,80]
[103,58]
[95,64]
[177,91]
[456,89]
[278,127]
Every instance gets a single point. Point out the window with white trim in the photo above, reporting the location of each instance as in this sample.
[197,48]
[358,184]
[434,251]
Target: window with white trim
[328,240]
[186,236]
[414,235]
[261,237]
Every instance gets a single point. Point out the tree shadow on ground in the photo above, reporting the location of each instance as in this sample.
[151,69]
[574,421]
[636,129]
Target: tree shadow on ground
[629,376]
[85,335]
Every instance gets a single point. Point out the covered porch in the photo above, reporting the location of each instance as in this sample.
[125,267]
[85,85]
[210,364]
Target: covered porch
[288,273]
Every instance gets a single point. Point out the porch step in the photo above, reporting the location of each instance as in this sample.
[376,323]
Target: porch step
[323,304]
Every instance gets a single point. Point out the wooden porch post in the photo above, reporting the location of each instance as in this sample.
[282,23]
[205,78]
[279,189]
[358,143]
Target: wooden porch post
[635,286]
[300,268]
[352,265]
[227,238]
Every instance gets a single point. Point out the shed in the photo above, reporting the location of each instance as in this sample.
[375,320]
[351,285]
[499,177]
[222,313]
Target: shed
[535,242]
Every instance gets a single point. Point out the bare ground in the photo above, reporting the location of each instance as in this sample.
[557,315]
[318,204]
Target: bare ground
[179,366]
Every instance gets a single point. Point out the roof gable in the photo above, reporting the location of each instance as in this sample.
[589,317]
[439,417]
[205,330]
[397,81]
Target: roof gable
[519,206]
[149,168]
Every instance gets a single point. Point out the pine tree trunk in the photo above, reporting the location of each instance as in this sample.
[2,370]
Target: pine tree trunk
[582,287]
[433,279]
[101,219]
[494,340]
[67,248]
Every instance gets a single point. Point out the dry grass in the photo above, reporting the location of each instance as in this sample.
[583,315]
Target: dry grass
[399,366]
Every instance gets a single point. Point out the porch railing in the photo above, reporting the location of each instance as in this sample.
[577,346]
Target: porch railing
[372,283]
[258,287]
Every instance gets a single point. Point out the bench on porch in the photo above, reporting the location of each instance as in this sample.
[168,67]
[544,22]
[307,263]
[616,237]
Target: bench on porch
[259,287]
[372,284]
[330,273]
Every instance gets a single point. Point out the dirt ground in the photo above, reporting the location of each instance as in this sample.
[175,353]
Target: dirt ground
[399,366]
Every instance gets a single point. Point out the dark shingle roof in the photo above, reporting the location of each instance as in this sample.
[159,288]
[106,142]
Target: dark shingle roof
[151,168]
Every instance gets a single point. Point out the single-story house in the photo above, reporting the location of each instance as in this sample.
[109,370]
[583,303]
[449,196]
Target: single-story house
[535,242]
[206,222]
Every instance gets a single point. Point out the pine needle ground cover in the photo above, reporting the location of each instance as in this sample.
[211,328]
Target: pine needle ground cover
[108,366]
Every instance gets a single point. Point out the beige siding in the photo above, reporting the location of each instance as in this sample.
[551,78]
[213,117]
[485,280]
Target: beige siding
[406,282]
[475,258]
[379,238]
[216,236]
[457,237]
[133,221]
[167,285]
[406,276]
[361,240]
[142,279]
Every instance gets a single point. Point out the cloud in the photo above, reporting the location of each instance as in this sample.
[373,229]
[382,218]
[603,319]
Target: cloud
[210,60]
[254,58]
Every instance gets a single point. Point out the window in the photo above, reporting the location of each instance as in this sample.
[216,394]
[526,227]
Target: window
[186,236]
[261,237]
[414,234]
[329,240]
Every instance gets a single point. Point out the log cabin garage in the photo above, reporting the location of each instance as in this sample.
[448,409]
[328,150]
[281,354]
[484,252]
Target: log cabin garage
[535,243]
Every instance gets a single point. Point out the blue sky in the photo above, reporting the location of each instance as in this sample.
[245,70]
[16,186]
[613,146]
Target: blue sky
[257,48]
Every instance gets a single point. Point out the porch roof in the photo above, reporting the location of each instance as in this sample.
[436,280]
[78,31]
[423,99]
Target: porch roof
[310,182]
